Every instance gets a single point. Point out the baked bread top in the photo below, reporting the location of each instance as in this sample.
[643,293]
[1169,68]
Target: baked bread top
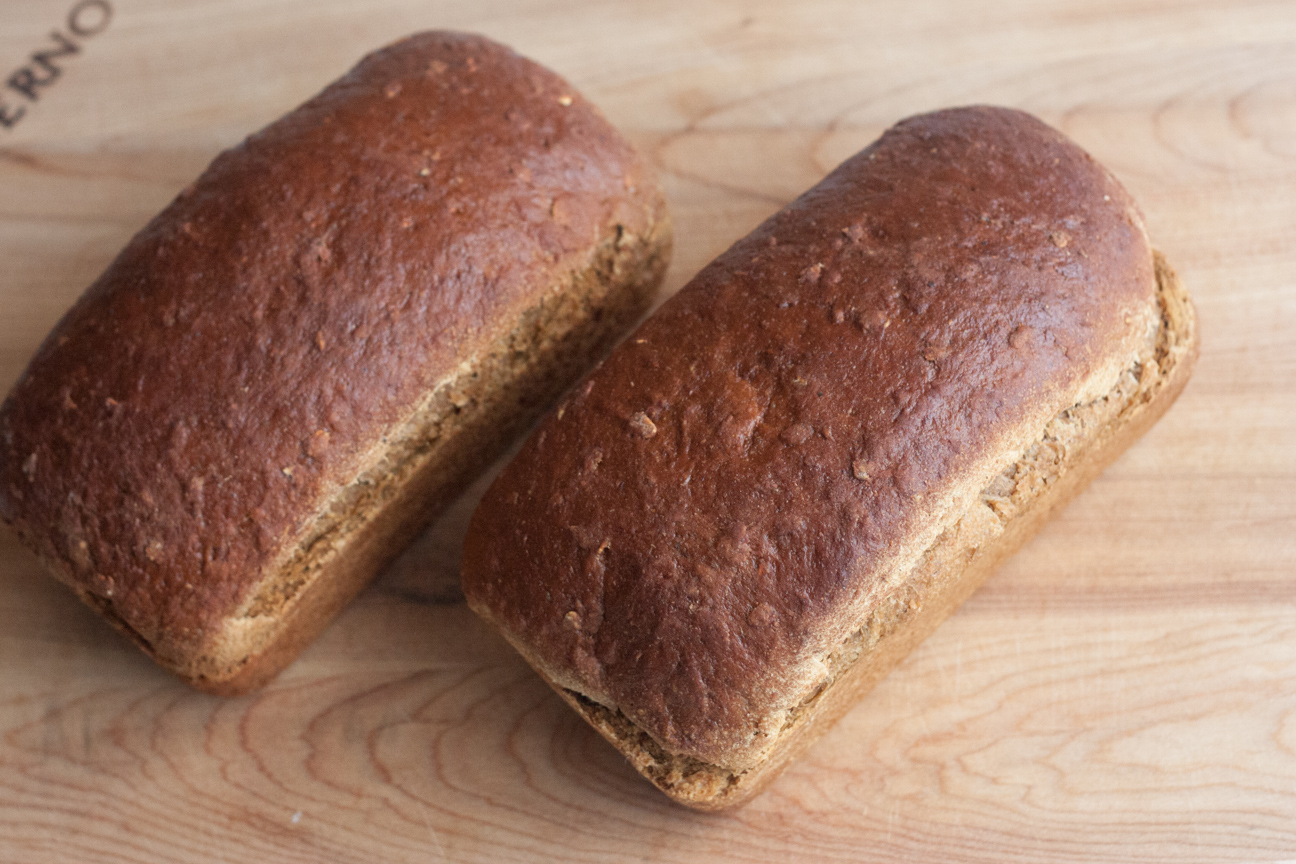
[245,355]
[689,536]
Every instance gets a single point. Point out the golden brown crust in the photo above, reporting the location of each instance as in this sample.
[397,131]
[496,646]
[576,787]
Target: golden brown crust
[220,415]
[688,541]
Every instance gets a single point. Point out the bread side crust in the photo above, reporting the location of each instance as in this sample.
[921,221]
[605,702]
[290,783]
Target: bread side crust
[1073,448]
[465,421]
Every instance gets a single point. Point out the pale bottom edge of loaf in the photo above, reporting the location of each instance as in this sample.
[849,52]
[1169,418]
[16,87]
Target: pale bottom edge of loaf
[465,423]
[1075,447]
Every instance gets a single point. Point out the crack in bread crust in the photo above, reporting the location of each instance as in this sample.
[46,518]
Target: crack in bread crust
[1079,441]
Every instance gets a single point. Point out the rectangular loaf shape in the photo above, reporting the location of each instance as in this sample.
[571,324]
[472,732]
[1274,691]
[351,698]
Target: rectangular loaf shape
[293,367]
[802,463]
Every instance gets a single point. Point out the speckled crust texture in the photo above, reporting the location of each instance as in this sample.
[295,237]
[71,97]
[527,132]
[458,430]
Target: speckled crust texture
[1072,450]
[689,541]
[367,295]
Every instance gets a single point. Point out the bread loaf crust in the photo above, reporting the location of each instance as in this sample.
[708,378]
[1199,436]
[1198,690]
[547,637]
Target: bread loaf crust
[227,396]
[1071,450]
[688,542]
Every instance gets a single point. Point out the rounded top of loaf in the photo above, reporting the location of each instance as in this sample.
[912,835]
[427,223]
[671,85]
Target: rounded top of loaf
[255,342]
[714,510]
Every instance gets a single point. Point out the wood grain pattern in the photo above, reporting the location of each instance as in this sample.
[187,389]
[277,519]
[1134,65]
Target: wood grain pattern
[1123,690]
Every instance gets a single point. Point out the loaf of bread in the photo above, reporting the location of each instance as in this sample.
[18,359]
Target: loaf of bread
[290,369]
[804,461]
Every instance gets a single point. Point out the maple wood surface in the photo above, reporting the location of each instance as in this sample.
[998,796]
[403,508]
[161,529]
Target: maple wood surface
[1123,690]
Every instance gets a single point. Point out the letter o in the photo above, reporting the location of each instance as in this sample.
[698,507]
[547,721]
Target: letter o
[76,17]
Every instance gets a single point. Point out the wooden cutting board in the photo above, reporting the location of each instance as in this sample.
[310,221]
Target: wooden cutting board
[1125,689]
